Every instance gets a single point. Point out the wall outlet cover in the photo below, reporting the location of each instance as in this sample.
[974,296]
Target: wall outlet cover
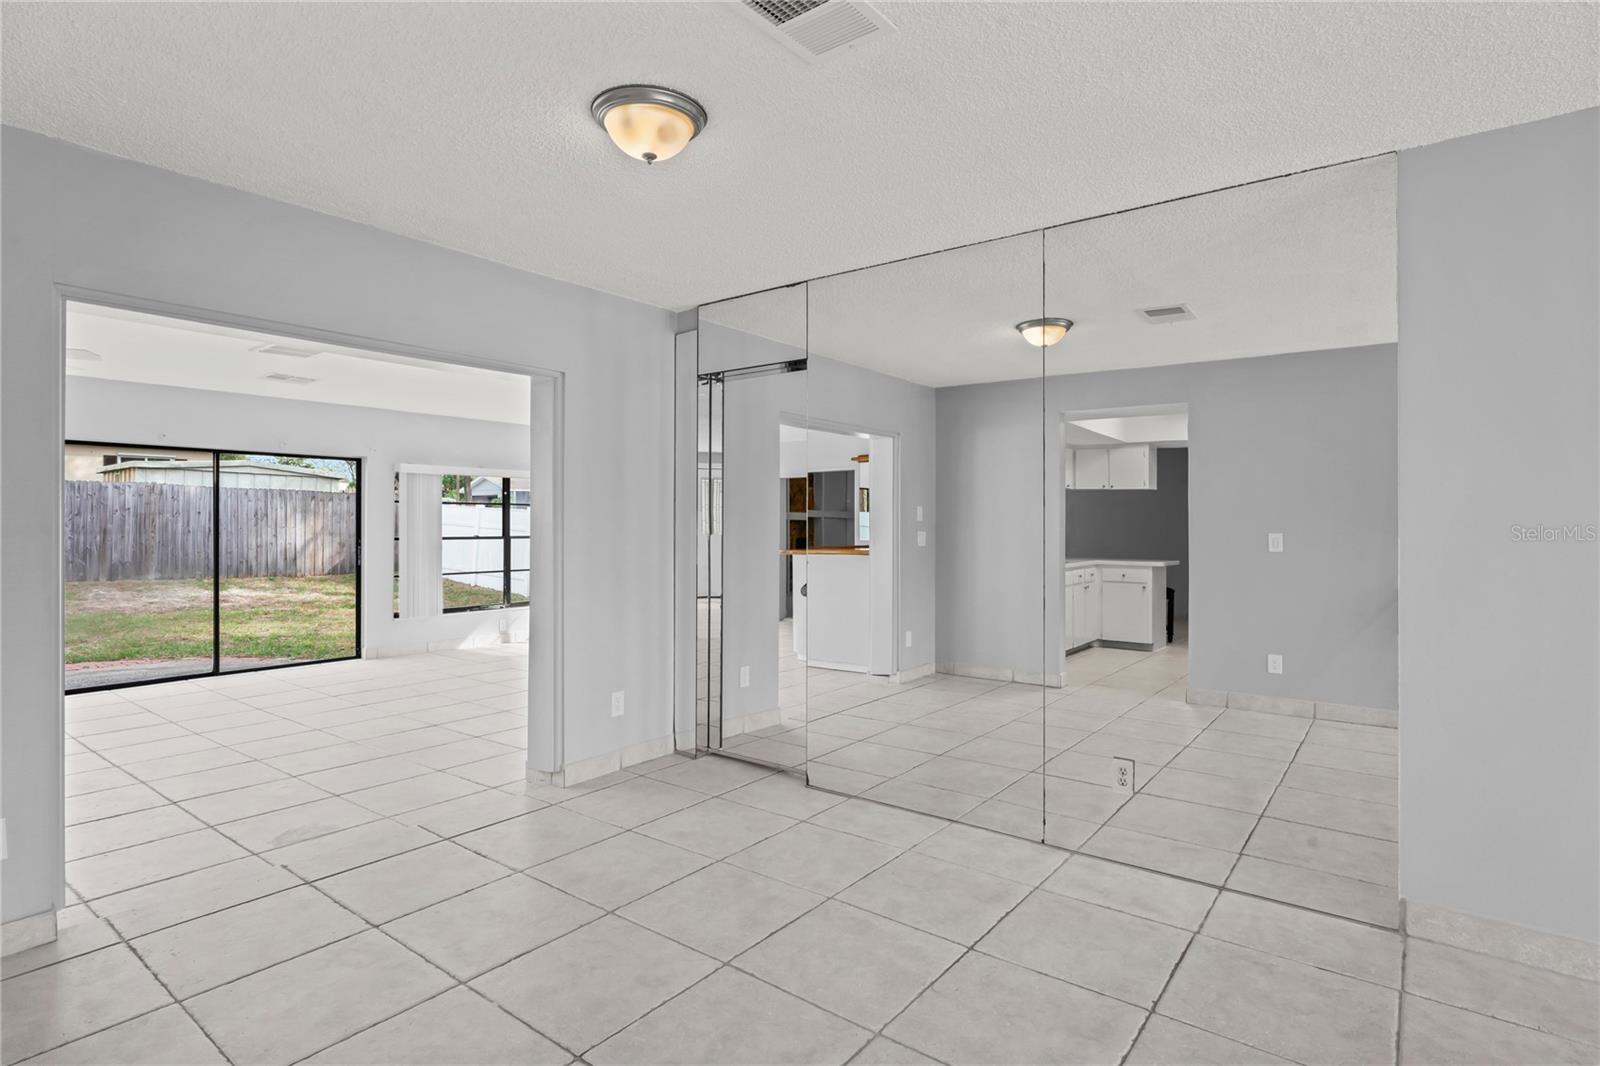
[908,638]
[744,677]
[1123,771]
[919,512]
[1274,664]
[922,538]
[616,705]
[1274,542]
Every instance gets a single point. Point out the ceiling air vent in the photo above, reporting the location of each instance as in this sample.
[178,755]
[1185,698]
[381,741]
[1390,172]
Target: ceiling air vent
[294,350]
[83,355]
[1171,313]
[288,379]
[812,29]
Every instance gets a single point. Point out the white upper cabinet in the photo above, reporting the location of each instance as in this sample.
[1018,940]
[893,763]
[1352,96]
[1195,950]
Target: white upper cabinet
[1130,466]
[1133,467]
[1091,468]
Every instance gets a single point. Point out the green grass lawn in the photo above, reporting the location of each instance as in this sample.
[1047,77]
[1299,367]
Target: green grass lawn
[261,618]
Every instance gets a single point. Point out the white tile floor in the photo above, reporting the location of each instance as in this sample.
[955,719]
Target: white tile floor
[343,865]
[1299,811]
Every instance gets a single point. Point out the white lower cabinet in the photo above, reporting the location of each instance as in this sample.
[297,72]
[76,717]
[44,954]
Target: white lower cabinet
[1091,610]
[1125,611]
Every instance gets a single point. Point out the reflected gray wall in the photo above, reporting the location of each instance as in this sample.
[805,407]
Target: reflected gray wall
[1301,444]
[990,530]
[834,392]
[1499,373]
[1143,524]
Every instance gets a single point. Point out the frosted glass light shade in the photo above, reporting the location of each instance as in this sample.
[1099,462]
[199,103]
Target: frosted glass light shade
[648,122]
[1043,332]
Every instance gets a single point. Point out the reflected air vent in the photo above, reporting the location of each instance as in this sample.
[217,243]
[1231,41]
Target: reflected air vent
[1171,313]
[288,379]
[293,350]
[83,355]
[812,29]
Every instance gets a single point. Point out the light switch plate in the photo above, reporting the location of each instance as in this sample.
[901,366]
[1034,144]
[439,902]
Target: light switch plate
[1274,542]
[744,677]
[1123,770]
[922,538]
[1274,664]
[616,705]
[919,512]
[908,638]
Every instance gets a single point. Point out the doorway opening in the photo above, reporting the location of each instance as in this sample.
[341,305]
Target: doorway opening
[1125,532]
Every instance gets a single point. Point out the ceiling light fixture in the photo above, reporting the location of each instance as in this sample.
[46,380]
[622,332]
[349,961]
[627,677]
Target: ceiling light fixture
[1043,332]
[647,121]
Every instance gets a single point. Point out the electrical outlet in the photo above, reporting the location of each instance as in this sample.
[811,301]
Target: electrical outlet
[1123,781]
[1274,542]
[744,677]
[1274,664]
[922,538]
[616,705]
[908,638]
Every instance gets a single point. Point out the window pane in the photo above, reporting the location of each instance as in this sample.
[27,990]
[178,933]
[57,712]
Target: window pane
[288,560]
[519,586]
[519,554]
[473,590]
[472,556]
[138,565]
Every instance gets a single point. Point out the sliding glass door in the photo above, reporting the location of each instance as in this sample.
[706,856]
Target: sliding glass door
[138,564]
[290,527]
[186,562]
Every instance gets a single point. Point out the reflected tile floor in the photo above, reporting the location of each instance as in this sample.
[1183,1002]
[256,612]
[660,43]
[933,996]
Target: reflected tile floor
[1297,810]
[370,887]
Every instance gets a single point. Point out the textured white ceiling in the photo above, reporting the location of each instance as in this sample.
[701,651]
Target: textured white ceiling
[467,124]
[156,350]
[1294,264]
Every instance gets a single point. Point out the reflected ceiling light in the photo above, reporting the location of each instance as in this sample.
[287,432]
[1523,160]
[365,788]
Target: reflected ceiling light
[647,121]
[1043,332]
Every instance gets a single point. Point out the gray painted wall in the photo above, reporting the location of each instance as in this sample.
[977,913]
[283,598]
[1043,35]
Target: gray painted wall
[131,413]
[77,218]
[1142,524]
[1498,383]
[1301,444]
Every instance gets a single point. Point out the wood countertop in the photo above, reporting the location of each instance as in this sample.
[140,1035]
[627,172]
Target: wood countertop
[825,551]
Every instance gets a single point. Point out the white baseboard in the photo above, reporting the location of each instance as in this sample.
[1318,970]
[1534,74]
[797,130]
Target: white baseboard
[29,932]
[749,723]
[1547,951]
[916,673]
[588,769]
[1348,713]
[984,673]
[1353,714]
[1250,701]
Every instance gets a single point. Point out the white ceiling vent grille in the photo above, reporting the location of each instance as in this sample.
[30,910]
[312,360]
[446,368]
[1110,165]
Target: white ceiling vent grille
[288,379]
[1157,316]
[294,350]
[812,29]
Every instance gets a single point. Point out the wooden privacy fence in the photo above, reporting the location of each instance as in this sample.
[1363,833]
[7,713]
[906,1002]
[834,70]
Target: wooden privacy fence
[143,531]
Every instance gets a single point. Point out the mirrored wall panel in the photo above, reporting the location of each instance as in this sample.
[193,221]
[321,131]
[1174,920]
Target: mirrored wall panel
[922,615]
[751,385]
[998,534]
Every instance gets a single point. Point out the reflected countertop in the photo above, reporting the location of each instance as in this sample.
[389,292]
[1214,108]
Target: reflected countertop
[1122,562]
[842,550]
